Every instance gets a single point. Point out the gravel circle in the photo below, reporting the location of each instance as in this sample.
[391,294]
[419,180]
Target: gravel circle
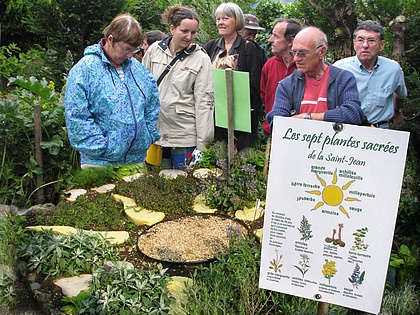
[190,238]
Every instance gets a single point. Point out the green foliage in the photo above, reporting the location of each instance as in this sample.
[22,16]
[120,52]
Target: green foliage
[92,211]
[267,12]
[402,301]
[71,25]
[66,255]
[129,169]
[411,104]
[18,164]
[11,235]
[218,151]
[230,286]
[238,187]
[405,262]
[72,305]
[13,29]
[408,220]
[93,177]
[90,177]
[149,14]
[36,62]
[124,291]
[170,196]
[7,286]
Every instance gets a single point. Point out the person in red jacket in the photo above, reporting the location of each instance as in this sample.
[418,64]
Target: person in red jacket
[279,66]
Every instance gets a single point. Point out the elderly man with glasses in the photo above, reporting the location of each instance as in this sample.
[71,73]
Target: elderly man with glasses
[380,80]
[316,89]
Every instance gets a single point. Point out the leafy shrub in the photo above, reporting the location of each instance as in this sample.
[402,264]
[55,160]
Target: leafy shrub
[230,286]
[402,301]
[11,235]
[124,291]
[7,286]
[241,186]
[18,164]
[14,63]
[405,264]
[66,255]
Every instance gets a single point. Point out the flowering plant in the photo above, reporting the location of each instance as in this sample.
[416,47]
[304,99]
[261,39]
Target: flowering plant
[236,188]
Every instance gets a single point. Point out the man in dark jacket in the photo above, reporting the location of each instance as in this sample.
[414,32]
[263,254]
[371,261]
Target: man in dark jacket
[250,31]
[316,90]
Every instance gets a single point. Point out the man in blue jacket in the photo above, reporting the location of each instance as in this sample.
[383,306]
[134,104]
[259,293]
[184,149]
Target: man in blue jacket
[111,100]
[380,80]
[316,90]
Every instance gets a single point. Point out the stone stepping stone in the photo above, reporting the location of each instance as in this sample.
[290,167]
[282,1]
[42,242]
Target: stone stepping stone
[74,193]
[176,287]
[138,215]
[251,214]
[259,234]
[104,188]
[172,174]
[72,286]
[200,206]
[141,216]
[131,178]
[206,172]
[126,201]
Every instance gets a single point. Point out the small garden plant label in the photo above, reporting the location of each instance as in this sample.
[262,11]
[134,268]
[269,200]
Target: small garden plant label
[332,202]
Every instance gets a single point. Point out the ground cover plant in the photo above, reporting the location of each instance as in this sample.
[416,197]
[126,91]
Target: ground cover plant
[170,196]
[57,255]
[11,235]
[121,290]
[93,211]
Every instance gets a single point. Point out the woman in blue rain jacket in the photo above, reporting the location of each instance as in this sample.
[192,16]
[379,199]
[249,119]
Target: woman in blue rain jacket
[111,99]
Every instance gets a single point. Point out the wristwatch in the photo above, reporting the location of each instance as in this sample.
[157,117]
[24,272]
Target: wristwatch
[308,116]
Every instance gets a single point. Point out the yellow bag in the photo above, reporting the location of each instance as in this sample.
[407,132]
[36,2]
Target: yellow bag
[154,155]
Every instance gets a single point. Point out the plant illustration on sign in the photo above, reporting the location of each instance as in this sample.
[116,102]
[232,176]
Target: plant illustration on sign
[332,195]
[305,230]
[275,263]
[329,270]
[303,265]
[336,241]
[357,278]
[359,242]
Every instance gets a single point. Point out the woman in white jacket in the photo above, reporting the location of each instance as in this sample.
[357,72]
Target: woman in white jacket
[186,120]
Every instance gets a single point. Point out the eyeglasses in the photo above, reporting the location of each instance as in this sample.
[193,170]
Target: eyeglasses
[128,50]
[370,40]
[303,53]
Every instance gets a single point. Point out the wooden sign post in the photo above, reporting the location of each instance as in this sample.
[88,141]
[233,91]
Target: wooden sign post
[231,120]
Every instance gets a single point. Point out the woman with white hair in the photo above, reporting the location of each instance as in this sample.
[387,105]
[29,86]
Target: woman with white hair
[229,21]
